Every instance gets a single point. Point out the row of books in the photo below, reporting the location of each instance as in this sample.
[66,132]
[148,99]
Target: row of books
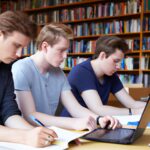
[130,79]
[146,80]
[30,49]
[70,62]
[30,4]
[146,5]
[131,6]
[138,79]
[145,62]
[129,63]
[146,24]
[126,64]
[96,28]
[82,46]
[146,43]
[86,46]
[134,44]
[96,11]
[9,5]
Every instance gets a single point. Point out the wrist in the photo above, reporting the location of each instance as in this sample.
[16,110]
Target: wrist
[97,120]
[130,111]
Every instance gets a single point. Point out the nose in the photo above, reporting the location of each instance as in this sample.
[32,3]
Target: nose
[65,55]
[117,66]
[19,52]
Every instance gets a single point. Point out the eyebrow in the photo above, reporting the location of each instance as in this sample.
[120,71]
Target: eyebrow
[17,44]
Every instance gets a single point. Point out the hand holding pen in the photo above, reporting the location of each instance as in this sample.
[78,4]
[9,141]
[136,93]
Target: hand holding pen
[48,135]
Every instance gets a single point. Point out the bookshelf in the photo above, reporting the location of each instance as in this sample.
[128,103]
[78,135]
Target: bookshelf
[89,19]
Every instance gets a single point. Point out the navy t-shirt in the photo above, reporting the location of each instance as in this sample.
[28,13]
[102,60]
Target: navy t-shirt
[82,78]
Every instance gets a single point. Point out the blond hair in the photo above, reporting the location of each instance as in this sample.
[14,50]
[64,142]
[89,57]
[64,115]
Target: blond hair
[52,32]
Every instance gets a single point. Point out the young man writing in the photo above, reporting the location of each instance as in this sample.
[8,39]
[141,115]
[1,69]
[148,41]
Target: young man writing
[40,83]
[93,80]
[16,30]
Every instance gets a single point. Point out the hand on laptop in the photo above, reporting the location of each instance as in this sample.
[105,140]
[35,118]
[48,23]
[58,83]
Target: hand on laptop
[109,122]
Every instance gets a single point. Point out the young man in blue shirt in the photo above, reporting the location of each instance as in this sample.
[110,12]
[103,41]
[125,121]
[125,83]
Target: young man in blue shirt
[93,80]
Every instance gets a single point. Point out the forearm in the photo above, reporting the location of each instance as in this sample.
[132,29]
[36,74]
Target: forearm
[81,111]
[129,101]
[139,104]
[104,110]
[110,110]
[12,135]
[17,122]
[62,122]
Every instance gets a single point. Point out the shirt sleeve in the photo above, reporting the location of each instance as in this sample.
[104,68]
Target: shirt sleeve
[66,85]
[81,79]
[116,84]
[21,81]
[9,106]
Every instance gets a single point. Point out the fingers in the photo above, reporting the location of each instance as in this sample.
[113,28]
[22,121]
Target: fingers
[44,143]
[50,133]
[47,136]
[113,123]
[46,139]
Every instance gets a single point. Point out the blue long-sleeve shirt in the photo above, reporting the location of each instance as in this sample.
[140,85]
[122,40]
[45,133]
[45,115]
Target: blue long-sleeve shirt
[8,105]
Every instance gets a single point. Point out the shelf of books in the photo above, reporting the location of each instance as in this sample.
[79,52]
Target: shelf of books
[90,19]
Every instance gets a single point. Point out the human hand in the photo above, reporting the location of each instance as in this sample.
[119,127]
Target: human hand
[40,137]
[85,123]
[109,122]
[136,111]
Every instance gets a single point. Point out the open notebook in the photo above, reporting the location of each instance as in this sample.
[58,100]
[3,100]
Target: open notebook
[64,137]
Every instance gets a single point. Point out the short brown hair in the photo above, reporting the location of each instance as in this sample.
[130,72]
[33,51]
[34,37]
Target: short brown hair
[52,32]
[108,44]
[17,21]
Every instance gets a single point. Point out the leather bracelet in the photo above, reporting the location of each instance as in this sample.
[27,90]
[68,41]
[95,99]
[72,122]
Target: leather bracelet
[130,112]
[97,120]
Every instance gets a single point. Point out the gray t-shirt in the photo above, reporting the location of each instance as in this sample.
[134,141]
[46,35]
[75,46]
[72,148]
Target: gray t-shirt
[46,89]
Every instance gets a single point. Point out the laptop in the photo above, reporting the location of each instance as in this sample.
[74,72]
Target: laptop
[121,135]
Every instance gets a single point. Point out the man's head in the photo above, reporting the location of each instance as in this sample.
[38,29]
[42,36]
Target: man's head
[53,40]
[16,30]
[109,44]
[109,51]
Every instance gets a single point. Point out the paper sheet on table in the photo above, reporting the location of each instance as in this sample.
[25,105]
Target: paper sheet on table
[64,137]
[124,120]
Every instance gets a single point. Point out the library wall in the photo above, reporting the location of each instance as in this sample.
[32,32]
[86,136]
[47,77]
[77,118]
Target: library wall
[90,19]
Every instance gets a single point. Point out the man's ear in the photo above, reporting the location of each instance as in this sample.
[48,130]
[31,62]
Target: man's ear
[44,46]
[1,33]
[102,55]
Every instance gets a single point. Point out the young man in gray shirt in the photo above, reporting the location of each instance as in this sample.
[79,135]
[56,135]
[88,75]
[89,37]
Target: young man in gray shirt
[40,83]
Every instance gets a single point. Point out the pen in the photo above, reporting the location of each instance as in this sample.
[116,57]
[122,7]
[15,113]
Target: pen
[36,121]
